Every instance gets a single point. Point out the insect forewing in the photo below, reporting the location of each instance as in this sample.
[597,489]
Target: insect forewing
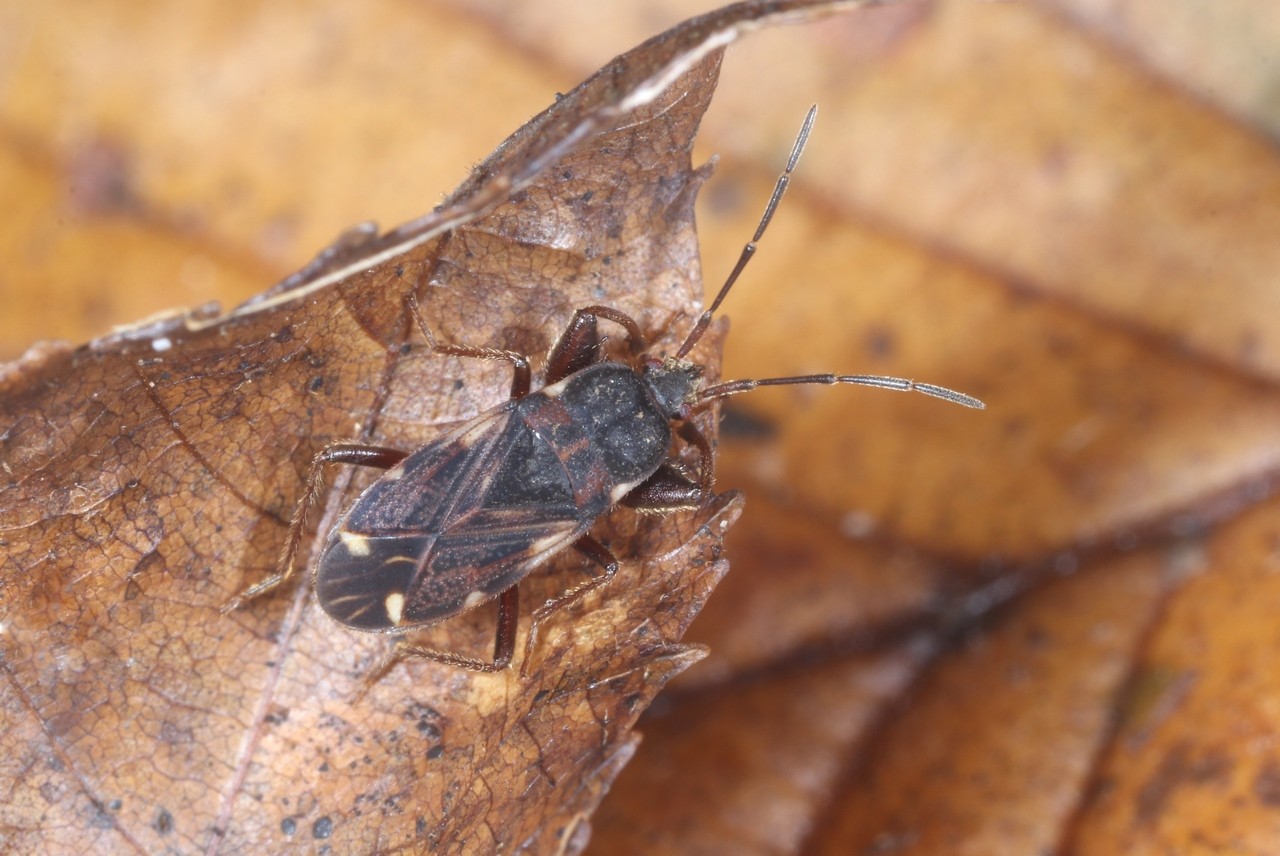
[451,526]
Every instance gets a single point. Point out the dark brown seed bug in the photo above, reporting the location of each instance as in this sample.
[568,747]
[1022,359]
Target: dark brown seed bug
[465,518]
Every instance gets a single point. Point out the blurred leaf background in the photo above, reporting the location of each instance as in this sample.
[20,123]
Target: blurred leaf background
[1049,627]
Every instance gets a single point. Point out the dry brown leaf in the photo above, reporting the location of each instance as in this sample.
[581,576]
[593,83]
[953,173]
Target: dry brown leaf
[151,474]
[1065,207]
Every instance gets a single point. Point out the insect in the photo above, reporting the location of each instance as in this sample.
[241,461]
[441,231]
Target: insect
[465,518]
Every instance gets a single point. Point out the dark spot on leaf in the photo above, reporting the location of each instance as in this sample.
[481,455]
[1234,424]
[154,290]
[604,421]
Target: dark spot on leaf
[101,178]
[1014,427]
[316,383]
[288,826]
[879,342]
[102,818]
[62,722]
[163,823]
[322,828]
[1267,785]
[284,334]
[176,733]
[435,752]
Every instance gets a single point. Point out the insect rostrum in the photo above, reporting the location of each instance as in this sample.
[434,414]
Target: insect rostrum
[464,518]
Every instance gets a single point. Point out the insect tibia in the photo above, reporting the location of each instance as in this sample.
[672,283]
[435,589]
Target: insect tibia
[735,387]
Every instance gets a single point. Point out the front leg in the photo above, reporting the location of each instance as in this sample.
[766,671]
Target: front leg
[579,344]
[664,492]
[669,489]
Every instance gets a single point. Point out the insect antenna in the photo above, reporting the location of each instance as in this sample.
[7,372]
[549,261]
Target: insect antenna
[724,390]
[750,249]
[734,387]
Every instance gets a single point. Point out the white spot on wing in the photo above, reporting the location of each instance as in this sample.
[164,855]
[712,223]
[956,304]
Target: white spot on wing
[619,491]
[395,606]
[474,599]
[549,543]
[357,545]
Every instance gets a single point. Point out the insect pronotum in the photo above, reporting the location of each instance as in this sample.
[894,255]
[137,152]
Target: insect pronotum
[465,518]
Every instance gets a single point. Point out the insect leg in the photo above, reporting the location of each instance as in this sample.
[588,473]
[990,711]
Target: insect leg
[503,647]
[665,491]
[669,489]
[521,381]
[577,347]
[579,344]
[355,454]
[596,552]
[690,433]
